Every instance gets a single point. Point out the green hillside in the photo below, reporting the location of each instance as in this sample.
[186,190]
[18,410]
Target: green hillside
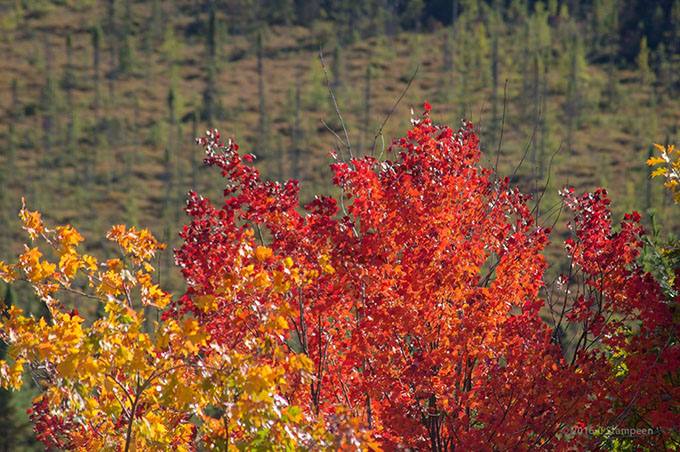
[103,99]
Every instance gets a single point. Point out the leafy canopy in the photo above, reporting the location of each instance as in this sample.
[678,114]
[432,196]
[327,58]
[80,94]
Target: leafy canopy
[407,313]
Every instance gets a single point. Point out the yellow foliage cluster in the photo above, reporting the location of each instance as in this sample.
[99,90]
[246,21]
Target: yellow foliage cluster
[670,158]
[134,387]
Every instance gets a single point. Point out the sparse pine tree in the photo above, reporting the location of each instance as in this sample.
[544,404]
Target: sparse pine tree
[49,105]
[210,93]
[366,141]
[113,32]
[11,147]
[263,133]
[338,69]
[495,28]
[157,22]
[8,420]
[127,57]
[575,65]
[16,102]
[68,78]
[96,61]
[642,61]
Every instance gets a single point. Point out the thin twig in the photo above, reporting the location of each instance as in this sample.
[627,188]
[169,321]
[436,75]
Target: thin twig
[480,124]
[547,181]
[336,136]
[259,233]
[158,260]
[500,140]
[94,429]
[346,143]
[382,126]
[382,150]
[526,149]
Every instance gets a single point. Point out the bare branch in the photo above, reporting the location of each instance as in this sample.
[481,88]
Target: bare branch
[382,126]
[500,140]
[346,143]
[336,136]
[526,149]
[547,181]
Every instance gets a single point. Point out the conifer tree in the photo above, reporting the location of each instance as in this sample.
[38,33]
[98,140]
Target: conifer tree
[68,78]
[49,105]
[96,61]
[11,147]
[8,419]
[496,22]
[642,61]
[210,93]
[263,134]
[16,103]
[113,33]
[367,110]
[575,63]
[296,130]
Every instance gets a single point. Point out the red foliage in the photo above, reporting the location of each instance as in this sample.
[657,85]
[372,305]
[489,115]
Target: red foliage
[55,432]
[416,295]
[627,352]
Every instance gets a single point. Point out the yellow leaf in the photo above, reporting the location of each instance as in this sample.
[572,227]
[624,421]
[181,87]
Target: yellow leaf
[655,161]
[45,349]
[109,383]
[325,266]
[189,327]
[4,374]
[281,322]
[69,264]
[111,284]
[139,245]
[280,283]
[90,261]
[162,341]
[32,221]
[659,172]
[15,373]
[115,264]
[246,271]
[205,302]
[261,280]
[183,394]
[92,407]
[7,273]
[67,368]
[262,253]
[68,236]
[152,293]
[36,271]
[89,366]
[152,427]
[193,335]
[374,446]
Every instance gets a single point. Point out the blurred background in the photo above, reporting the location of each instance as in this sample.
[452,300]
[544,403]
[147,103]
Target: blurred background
[100,101]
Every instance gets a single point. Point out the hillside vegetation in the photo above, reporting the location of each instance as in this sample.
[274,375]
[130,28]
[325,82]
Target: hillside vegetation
[103,99]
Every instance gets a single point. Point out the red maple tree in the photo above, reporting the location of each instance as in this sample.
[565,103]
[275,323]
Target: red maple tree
[416,296]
